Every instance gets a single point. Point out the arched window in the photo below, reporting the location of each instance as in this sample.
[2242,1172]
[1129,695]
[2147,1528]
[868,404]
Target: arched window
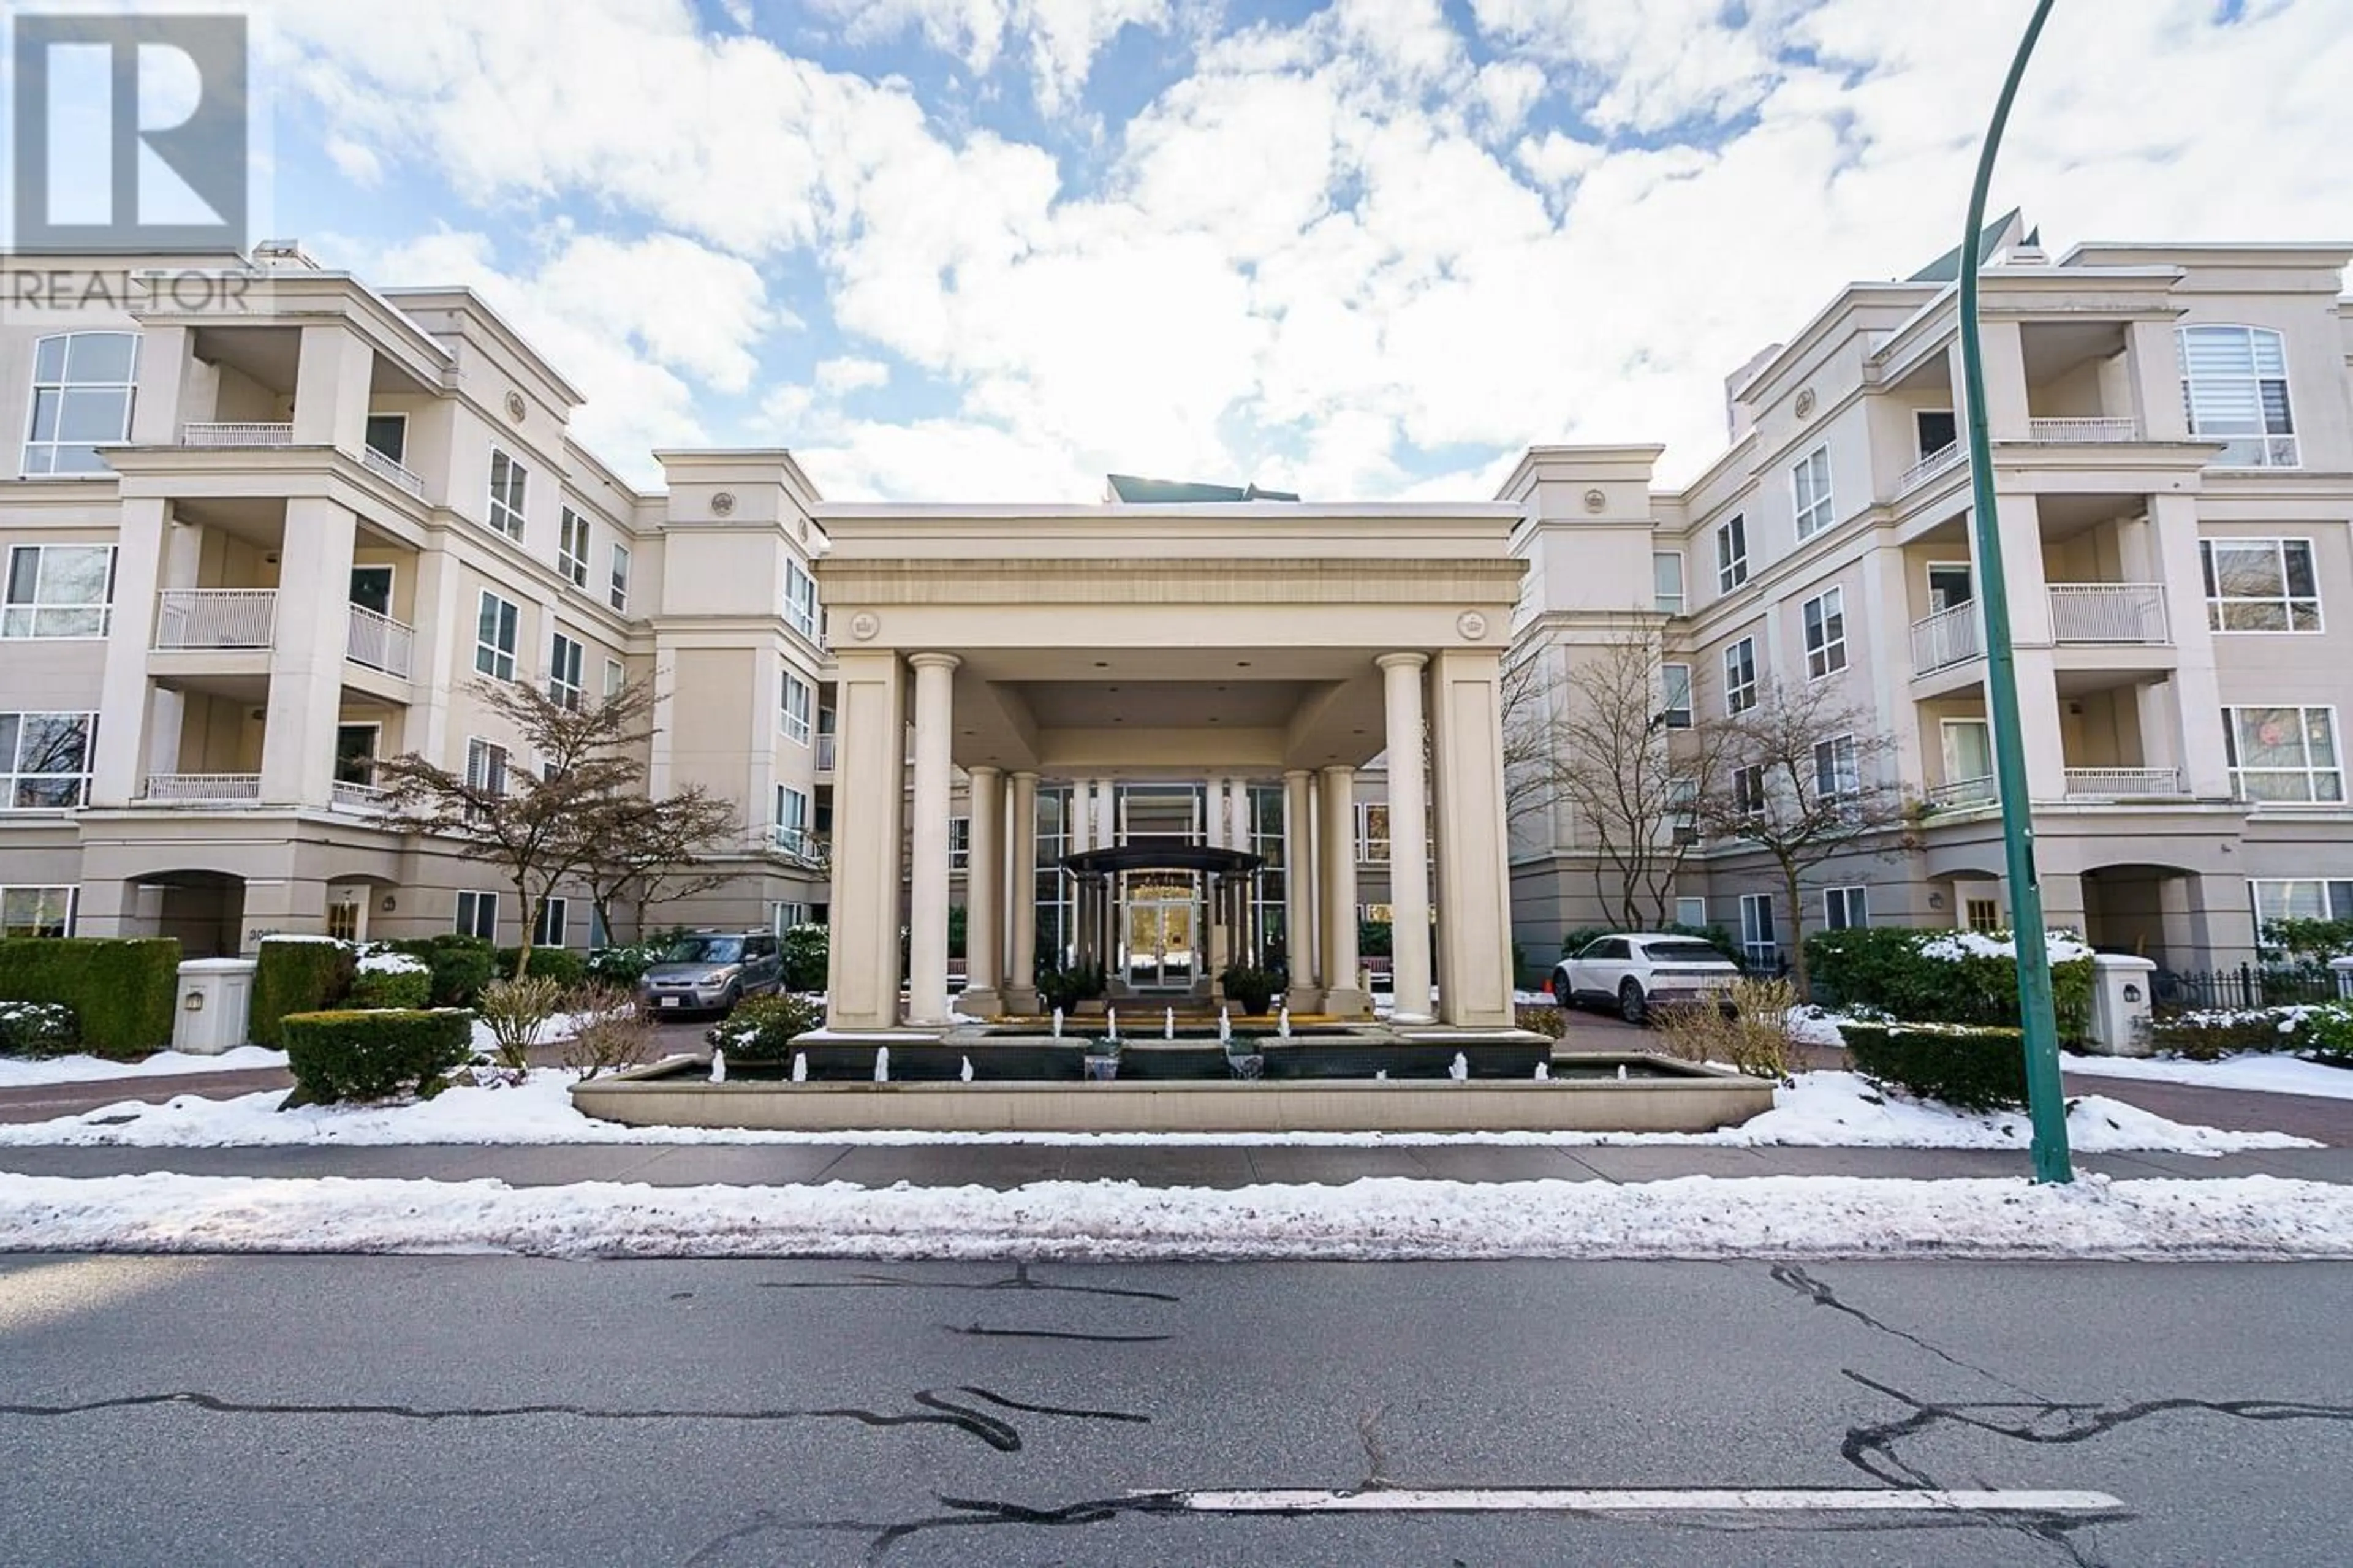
[81,400]
[2234,387]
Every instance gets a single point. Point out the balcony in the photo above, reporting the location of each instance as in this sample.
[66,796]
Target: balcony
[2124,783]
[379,642]
[800,846]
[1946,456]
[201,789]
[360,797]
[2082,432]
[216,617]
[236,435]
[1946,639]
[2109,613]
[1963,793]
[391,469]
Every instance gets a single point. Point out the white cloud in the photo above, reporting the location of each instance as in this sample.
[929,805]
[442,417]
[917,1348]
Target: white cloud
[851,374]
[1060,37]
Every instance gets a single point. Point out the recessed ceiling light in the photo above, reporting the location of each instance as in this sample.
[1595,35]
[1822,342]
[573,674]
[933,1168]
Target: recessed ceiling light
[1241,664]
[1103,664]
[1111,688]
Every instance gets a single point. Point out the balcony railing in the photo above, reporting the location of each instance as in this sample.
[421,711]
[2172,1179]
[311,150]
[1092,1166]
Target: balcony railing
[1945,638]
[348,796]
[214,617]
[236,435]
[390,469]
[825,753]
[2109,613]
[800,845]
[2082,432]
[201,789]
[1929,467]
[2123,783]
[1965,792]
[379,642]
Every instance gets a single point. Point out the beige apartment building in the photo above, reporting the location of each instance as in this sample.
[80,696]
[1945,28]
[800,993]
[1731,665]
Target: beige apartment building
[2172,445]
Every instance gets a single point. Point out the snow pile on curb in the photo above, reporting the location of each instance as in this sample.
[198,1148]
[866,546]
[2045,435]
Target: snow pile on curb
[1690,1217]
[24,1074]
[2261,1073]
[1823,1109]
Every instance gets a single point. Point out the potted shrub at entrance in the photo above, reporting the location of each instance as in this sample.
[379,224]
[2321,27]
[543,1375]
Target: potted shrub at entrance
[1251,989]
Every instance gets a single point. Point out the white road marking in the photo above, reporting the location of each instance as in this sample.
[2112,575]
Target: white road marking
[1694,1500]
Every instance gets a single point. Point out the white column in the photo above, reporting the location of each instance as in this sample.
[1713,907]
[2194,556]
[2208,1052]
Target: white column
[1299,889]
[1106,814]
[869,748]
[1082,815]
[123,704]
[1408,837]
[983,901]
[306,656]
[1022,971]
[927,916]
[1337,830]
[1213,824]
[1475,885]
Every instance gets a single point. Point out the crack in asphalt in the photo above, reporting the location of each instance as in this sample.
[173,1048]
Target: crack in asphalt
[937,1411]
[1019,1280]
[977,1331]
[1820,1294]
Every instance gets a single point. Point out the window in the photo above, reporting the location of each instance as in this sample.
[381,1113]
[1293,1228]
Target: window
[1968,754]
[1846,909]
[1372,833]
[1667,582]
[495,628]
[791,820]
[615,679]
[2234,389]
[564,683]
[1675,696]
[59,591]
[2302,899]
[372,589]
[486,767]
[1730,554]
[36,911]
[1748,790]
[1692,912]
[1682,808]
[959,843]
[1936,429]
[1758,945]
[1949,585]
[800,599]
[572,548]
[386,435]
[1982,914]
[82,385]
[355,753]
[555,914]
[784,914]
[618,595]
[507,480]
[45,760]
[343,919]
[794,714]
[477,915]
[2283,753]
[1740,677]
[1825,617]
[2259,585]
[1838,774]
[1809,489]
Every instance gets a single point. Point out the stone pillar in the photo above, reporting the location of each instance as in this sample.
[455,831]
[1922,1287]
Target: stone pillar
[1408,837]
[1022,988]
[983,901]
[2197,705]
[1342,995]
[332,373]
[927,916]
[1106,810]
[1298,893]
[869,748]
[1474,879]
[123,704]
[306,656]
[1081,822]
[1213,815]
[2019,521]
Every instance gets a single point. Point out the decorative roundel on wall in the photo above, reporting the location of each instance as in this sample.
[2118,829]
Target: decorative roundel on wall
[723,503]
[863,626]
[1471,625]
[515,406]
[1806,403]
[1596,498]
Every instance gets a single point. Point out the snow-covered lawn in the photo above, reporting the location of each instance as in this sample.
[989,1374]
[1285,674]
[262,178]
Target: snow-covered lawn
[1692,1217]
[1825,1109]
[2262,1071]
[20,1073]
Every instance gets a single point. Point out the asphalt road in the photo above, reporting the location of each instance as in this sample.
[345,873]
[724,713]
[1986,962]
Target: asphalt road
[492,1410]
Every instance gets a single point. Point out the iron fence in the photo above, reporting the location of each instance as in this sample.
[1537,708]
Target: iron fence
[2243,988]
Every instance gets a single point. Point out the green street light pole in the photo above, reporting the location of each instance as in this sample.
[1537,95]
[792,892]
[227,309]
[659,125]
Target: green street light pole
[2044,1097]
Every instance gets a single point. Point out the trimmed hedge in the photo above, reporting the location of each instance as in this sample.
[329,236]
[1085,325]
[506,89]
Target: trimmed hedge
[461,966]
[763,1030]
[38,1029]
[2331,1032]
[560,964]
[122,989]
[297,976]
[338,1056]
[1973,1067]
[805,949]
[1883,967]
[406,989]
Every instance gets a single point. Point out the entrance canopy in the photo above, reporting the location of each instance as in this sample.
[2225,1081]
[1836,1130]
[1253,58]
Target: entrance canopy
[1161,857]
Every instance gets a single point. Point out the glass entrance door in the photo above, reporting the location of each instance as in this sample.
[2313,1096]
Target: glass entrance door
[1160,925]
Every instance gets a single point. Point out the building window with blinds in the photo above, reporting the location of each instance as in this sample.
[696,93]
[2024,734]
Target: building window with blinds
[2234,389]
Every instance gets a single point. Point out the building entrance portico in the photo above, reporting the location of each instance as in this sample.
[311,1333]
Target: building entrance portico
[1162,710]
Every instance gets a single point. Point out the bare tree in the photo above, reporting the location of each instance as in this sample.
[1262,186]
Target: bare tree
[650,850]
[1804,777]
[1630,758]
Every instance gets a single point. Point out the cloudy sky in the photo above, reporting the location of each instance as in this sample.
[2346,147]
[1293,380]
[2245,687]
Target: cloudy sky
[990,249]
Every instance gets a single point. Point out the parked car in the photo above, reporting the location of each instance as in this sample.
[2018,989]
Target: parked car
[1639,970]
[711,971]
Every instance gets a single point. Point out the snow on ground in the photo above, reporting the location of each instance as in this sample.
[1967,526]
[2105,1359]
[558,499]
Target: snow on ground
[20,1073]
[2260,1071]
[1823,1109]
[553,1027]
[1690,1217]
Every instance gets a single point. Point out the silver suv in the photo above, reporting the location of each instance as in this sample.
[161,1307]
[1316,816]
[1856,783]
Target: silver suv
[711,971]
[1641,970]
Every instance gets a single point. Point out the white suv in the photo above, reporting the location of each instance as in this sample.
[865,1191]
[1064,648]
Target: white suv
[1637,971]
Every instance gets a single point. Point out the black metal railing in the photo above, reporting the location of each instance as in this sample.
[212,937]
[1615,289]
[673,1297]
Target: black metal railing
[2241,989]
